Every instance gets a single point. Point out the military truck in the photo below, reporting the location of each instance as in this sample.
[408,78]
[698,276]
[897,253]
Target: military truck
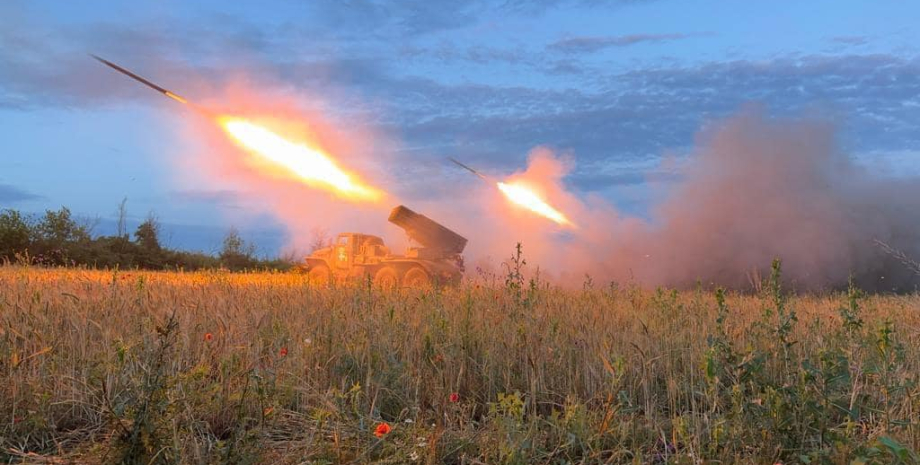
[436,261]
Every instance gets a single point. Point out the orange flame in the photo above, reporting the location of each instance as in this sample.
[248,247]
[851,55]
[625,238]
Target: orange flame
[526,197]
[299,160]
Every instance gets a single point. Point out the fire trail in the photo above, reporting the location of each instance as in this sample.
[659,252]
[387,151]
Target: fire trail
[299,160]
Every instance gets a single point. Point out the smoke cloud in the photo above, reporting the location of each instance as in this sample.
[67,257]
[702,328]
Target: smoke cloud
[754,189]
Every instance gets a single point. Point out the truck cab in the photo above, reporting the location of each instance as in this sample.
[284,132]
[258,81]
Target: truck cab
[352,249]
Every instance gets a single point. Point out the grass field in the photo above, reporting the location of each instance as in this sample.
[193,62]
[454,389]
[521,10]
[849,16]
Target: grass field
[157,367]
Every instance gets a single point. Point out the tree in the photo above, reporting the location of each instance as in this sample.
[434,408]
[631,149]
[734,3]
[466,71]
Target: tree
[15,234]
[59,228]
[235,253]
[148,234]
[150,253]
[319,238]
[58,239]
[122,214]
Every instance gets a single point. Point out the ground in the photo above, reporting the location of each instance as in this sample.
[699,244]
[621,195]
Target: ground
[214,367]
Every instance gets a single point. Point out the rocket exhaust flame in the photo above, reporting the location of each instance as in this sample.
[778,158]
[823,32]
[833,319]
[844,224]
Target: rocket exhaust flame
[526,197]
[299,160]
[523,196]
[305,163]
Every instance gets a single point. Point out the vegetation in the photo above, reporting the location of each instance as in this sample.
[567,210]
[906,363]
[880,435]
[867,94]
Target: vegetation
[214,367]
[57,239]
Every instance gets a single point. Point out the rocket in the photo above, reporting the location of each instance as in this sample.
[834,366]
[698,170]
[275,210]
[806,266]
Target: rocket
[471,170]
[140,79]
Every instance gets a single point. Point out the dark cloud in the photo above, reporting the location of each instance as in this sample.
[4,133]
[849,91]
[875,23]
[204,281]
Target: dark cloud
[13,194]
[595,43]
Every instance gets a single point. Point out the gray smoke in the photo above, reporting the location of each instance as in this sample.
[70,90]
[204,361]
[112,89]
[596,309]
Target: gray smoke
[757,188]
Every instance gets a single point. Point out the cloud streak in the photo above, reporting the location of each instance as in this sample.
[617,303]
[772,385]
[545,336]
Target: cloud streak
[590,44]
[13,194]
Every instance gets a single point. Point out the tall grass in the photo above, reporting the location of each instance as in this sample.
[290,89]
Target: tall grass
[157,367]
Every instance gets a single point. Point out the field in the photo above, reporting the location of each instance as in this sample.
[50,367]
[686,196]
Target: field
[215,367]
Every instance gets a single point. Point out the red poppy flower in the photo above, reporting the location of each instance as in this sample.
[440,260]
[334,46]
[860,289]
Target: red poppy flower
[454,397]
[208,337]
[383,429]
[283,352]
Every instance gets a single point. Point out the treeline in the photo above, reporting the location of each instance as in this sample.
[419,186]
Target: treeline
[58,239]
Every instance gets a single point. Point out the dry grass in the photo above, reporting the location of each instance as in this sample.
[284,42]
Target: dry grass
[149,367]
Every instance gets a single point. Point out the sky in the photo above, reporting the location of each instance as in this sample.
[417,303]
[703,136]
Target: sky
[620,87]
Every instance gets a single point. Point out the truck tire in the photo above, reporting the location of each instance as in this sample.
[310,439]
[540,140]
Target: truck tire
[300,269]
[386,278]
[416,278]
[320,275]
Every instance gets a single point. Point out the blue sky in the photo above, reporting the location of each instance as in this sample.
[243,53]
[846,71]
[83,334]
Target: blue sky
[616,84]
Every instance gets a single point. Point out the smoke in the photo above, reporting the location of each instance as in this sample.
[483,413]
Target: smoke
[753,189]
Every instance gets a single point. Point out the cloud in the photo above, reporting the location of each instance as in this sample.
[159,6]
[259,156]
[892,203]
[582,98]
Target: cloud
[447,52]
[599,114]
[394,18]
[224,198]
[13,194]
[642,112]
[411,18]
[596,181]
[589,44]
[850,40]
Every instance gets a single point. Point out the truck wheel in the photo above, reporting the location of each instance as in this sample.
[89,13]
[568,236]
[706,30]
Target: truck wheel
[300,269]
[320,276]
[416,278]
[386,278]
